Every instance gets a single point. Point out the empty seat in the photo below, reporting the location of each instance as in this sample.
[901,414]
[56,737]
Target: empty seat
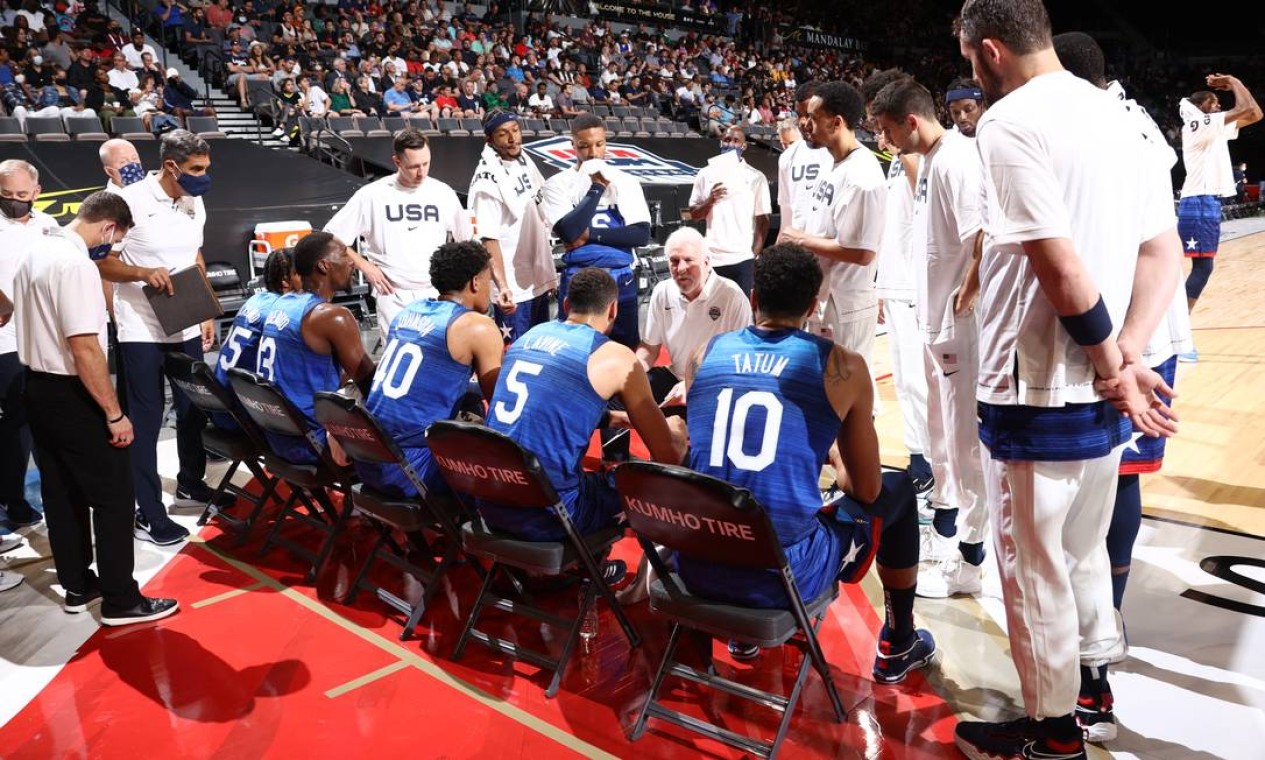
[48,129]
[11,130]
[206,127]
[371,126]
[653,127]
[86,129]
[452,128]
[620,112]
[538,128]
[130,128]
[560,126]
[345,126]
[601,110]
[472,126]
[633,127]
[424,125]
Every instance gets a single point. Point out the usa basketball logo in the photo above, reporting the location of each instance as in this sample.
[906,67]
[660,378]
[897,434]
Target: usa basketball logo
[630,159]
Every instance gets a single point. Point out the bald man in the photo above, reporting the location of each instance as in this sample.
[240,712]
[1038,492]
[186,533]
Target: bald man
[121,163]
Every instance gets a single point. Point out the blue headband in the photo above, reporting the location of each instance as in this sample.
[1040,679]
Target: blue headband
[964,93]
[497,120]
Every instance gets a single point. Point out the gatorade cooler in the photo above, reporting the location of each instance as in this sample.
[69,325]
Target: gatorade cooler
[269,236]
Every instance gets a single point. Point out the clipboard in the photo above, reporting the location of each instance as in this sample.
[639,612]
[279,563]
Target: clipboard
[193,303]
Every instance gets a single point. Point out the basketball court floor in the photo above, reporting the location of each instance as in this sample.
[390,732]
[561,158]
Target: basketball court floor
[260,664]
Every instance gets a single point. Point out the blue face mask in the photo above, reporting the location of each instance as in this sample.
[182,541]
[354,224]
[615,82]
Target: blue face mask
[130,174]
[98,252]
[194,185]
[731,149]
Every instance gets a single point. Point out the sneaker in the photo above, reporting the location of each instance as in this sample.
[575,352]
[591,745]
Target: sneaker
[77,602]
[10,579]
[892,667]
[1190,357]
[615,573]
[1095,717]
[163,535]
[278,132]
[23,516]
[200,495]
[949,577]
[1023,739]
[933,547]
[10,542]
[147,609]
[743,652]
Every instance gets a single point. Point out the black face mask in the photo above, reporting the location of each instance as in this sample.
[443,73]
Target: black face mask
[14,208]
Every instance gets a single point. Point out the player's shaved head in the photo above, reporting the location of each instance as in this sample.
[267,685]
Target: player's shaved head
[787,278]
[312,249]
[591,291]
[1081,55]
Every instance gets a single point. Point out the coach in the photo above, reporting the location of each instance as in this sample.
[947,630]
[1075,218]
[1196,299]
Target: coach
[170,217]
[81,434]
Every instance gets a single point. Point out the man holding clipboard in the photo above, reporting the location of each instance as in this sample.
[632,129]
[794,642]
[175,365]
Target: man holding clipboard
[169,214]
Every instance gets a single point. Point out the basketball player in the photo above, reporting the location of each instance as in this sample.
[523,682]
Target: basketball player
[1206,135]
[801,166]
[965,101]
[947,225]
[844,220]
[894,283]
[1083,242]
[311,345]
[735,203]
[553,392]
[241,345]
[1081,55]
[600,214]
[433,347]
[505,200]
[400,221]
[767,404]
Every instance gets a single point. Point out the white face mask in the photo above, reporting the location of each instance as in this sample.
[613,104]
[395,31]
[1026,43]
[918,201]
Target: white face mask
[38,60]
[20,78]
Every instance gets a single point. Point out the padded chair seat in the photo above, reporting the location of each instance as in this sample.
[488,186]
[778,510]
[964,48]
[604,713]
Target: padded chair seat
[230,444]
[404,514]
[762,627]
[545,557]
[303,475]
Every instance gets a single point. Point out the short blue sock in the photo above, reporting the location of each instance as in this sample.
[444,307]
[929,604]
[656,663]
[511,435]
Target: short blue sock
[946,522]
[919,467]
[972,553]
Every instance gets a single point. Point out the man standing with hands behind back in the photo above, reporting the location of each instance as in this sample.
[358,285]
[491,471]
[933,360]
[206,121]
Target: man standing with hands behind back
[170,216]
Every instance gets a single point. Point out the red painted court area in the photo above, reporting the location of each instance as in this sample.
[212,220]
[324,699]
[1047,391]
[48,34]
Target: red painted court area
[258,664]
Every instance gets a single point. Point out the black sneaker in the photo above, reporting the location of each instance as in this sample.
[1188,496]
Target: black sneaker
[614,573]
[742,651]
[23,516]
[163,535]
[200,495]
[1023,739]
[77,602]
[147,609]
[1094,713]
[892,667]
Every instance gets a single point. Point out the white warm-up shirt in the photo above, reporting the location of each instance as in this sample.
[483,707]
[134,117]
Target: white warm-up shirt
[1052,173]
[848,206]
[523,236]
[1206,151]
[57,291]
[895,278]
[16,241]
[947,217]
[799,169]
[731,220]
[399,228]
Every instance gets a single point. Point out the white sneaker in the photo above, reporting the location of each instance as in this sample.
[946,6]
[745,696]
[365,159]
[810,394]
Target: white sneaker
[10,542]
[9,579]
[933,547]
[949,577]
[278,132]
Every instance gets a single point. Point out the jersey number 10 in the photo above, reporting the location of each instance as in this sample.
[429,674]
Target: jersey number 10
[729,433]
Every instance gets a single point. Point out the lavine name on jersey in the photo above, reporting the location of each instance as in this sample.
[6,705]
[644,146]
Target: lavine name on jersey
[637,162]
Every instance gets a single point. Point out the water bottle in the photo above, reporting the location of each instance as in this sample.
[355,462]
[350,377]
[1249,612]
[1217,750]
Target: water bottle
[588,627]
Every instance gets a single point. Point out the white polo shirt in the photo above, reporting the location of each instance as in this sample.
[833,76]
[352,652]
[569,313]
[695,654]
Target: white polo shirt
[731,220]
[523,234]
[685,326]
[848,206]
[895,278]
[58,293]
[1206,151]
[16,240]
[1051,173]
[400,227]
[947,217]
[167,234]
[799,169]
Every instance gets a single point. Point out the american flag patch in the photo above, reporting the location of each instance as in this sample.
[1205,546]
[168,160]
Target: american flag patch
[950,358]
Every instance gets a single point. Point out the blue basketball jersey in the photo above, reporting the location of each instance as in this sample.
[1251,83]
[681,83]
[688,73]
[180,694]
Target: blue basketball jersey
[417,381]
[285,360]
[599,254]
[544,400]
[760,419]
[242,342]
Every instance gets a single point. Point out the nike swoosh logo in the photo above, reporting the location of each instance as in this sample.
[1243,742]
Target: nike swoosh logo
[951,374]
[410,229]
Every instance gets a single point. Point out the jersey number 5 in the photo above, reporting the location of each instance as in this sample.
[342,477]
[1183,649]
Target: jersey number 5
[232,350]
[507,414]
[729,432]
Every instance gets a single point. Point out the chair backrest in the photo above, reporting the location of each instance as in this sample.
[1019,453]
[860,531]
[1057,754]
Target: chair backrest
[632,125]
[36,125]
[620,112]
[267,405]
[84,125]
[198,382]
[199,124]
[360,435]
[342,123]
[560,126]
[485,464]
[366,123]
[10,126]
[474,126]
[600,110]
[535,125]
[125,124]
[697,515]
[612,124]
[448,125]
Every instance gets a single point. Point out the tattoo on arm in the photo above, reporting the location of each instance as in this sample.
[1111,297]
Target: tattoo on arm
[837,368]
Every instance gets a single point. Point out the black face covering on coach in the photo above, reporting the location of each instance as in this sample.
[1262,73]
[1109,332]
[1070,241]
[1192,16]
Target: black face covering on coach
[14,208]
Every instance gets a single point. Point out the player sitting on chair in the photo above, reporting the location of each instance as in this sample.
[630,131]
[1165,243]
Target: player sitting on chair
[767,404]
[307,340]
[241,345]
[552,395]
[447,338]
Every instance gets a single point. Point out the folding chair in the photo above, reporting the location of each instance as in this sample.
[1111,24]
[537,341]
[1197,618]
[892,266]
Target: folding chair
[704,518]
[310,484]
[472,127]
[483,464]
[244,446]
[364,440]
